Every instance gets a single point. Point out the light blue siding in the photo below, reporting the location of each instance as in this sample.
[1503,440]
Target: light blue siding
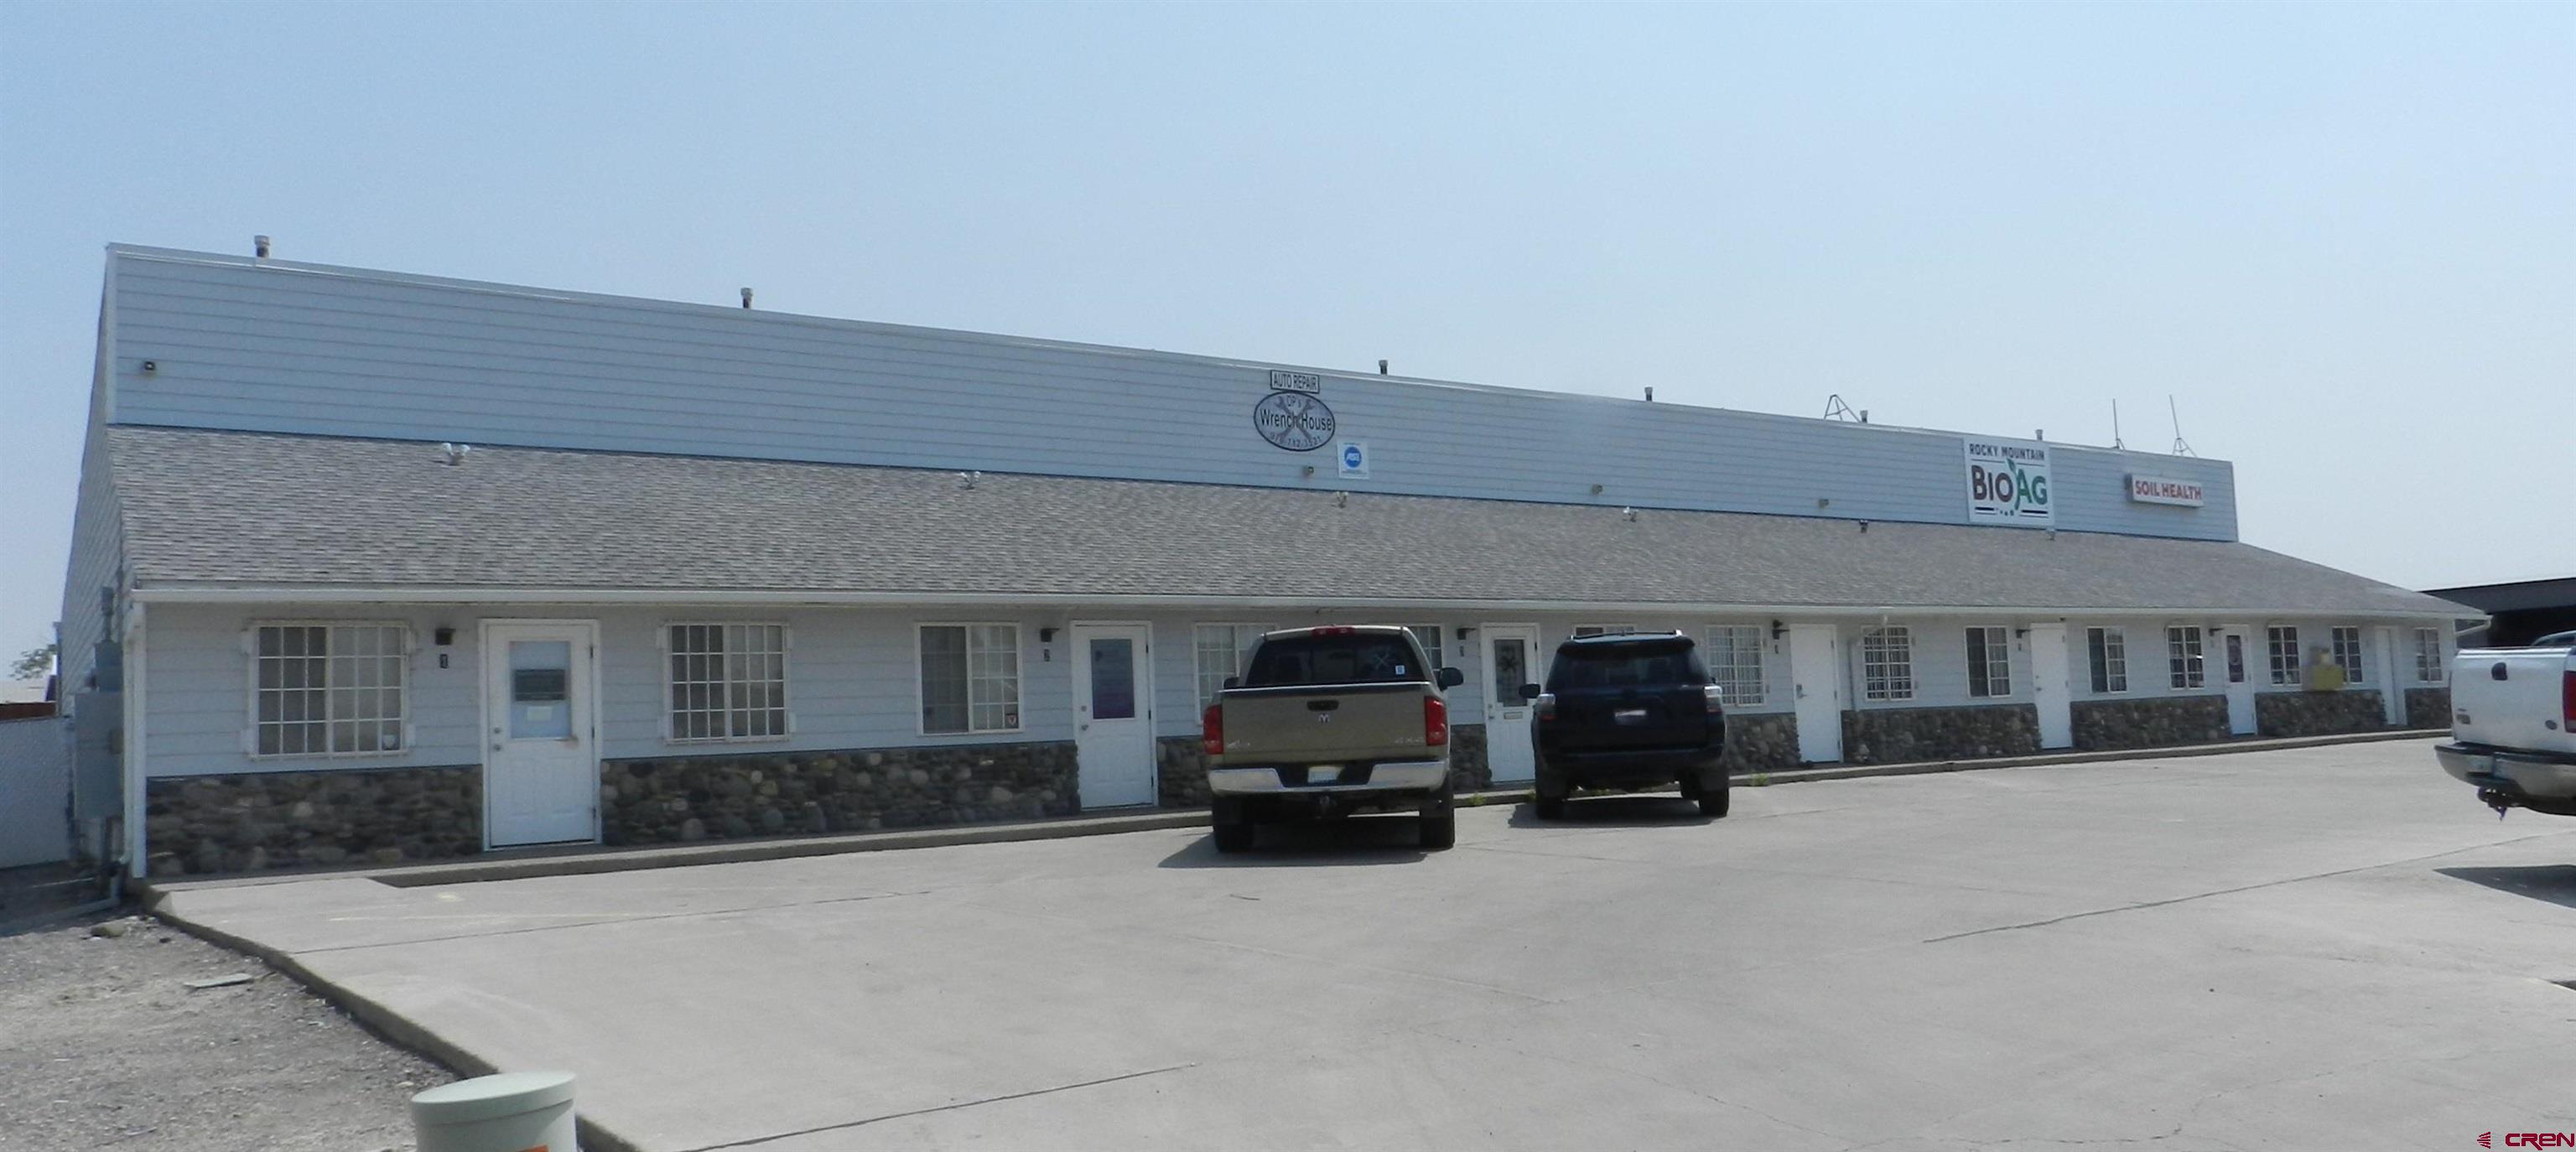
[299,349]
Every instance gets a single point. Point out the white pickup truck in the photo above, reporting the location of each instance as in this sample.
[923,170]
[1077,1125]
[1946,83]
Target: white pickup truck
[2513,727]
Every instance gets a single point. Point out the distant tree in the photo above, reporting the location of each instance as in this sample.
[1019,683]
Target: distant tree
[33,662]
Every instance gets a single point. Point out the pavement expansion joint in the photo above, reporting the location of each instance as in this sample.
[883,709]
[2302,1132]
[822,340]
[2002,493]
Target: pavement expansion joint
[962,1104]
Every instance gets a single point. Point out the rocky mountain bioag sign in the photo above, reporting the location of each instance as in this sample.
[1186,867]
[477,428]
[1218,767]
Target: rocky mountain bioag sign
[2008,484]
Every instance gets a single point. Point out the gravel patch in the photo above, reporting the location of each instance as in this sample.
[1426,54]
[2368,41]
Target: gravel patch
[104,1045]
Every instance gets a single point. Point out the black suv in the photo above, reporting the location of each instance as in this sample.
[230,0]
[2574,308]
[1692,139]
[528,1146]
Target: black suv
[1631,710]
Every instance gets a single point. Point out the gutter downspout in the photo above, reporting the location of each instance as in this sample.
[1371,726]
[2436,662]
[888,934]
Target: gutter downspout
[133,756]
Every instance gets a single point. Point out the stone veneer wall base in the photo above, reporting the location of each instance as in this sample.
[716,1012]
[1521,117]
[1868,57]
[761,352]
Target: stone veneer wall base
[1900,735]
[251,821]
[2319,713]
[690,798]
[2149,722]
[2428,707]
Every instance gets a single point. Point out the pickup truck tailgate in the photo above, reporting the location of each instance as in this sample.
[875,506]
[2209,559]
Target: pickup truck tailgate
[2513,698]
[1344,724]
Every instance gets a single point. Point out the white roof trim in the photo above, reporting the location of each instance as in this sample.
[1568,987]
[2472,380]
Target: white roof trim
[360,594]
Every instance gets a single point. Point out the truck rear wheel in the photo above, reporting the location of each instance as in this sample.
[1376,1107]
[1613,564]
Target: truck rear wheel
[1440,829]
[1231,825]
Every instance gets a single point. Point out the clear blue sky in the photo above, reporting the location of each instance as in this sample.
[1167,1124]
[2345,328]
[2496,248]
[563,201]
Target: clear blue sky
[2343,237]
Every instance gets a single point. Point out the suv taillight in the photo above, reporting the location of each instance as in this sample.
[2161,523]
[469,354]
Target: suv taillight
[2567,703]
[1546,704]
[1435,722]
[1212,730]
[1716,698]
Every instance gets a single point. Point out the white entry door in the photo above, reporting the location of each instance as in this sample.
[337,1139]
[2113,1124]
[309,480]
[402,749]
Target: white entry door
[1511,660]
[541,747]
[2050,688]
[2234,654]
[1113,714]
[1816,675]
[2392,691]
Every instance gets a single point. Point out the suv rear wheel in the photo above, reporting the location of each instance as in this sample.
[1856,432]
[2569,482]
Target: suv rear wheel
[1712,801]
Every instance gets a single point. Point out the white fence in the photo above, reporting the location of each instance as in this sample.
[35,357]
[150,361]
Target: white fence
[35,791]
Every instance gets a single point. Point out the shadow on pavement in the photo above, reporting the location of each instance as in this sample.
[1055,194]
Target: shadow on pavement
[2555,883]
[1651,808]
[1345,842]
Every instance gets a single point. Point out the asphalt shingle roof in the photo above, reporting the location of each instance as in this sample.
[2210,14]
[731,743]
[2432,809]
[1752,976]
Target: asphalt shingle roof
[237,508]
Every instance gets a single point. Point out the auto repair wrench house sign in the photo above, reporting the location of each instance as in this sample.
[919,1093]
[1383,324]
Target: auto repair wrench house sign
[1294,416]
[2008,484]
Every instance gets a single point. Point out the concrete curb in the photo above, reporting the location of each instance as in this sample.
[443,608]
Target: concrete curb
[592,860]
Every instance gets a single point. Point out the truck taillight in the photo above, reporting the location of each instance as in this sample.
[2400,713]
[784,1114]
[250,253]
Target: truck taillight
[1212,730]
[1435,722]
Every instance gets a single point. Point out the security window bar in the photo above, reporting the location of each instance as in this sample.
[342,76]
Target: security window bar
[1222,650]
[2347,654]
[2107,649]
[970,678]
[1887,663]
[1989,662]
[728,681]
[1735,663]
[329,689]
[2183,653]
[2283,649]
[2428,656]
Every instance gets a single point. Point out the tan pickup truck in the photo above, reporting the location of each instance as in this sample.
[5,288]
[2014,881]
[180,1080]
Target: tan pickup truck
[1327,722]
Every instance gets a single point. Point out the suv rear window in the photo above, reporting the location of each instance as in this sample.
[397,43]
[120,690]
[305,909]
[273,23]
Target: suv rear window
[1350,658]
[1644,664]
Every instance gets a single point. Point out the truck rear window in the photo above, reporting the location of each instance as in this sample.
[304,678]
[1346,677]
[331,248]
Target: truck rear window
[1628,666]
[1357,658]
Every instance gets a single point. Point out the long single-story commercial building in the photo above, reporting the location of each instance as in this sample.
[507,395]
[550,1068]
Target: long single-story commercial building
[378,566]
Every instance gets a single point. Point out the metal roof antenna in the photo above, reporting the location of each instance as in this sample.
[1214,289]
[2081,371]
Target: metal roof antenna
[746,299]
[2116,443]
[259,247]
[1836,408]
[2181,446]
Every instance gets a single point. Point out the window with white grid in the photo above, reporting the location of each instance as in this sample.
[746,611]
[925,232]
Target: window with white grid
[1429,635]
[1887,663]
[2107,651]
[1989,662]
[970,678]
[1735,663]
[328,689]
[2283,650]
[2347,654]
[2184,657]
[728,681]
[2428,656]
[1221,651]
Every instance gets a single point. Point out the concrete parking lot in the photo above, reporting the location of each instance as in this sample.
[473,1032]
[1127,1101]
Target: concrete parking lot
[2321,948]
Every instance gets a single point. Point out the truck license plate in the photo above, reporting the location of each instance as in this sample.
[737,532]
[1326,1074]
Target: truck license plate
[1629,715]
[1323,773]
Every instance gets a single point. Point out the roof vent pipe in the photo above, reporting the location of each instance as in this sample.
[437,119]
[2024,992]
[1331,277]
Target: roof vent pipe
[746,299]
[1381,367]
[1650,393]
[259,247]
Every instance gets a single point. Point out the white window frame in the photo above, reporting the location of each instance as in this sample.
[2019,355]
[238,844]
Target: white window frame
[1725,676]
[1887,662]
[2272,637]
[1997,649]
[1018,703]
[1242,655]
[330,698]
[2429,665]
[2354,660]
[2187,657]
[1431,645]
[2114,645]
[724,683]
